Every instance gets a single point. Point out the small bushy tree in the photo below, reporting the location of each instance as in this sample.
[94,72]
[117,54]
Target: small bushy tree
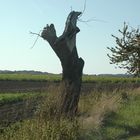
[126,53]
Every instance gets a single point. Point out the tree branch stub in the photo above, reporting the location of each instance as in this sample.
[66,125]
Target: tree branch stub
[68,36]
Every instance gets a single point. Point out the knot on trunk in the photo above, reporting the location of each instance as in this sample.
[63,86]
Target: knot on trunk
[49,34]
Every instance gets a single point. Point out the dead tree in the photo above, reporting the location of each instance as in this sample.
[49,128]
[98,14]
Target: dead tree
[72,66]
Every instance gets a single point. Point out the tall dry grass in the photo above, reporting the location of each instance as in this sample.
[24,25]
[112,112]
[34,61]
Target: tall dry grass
[47,123]
[93,109]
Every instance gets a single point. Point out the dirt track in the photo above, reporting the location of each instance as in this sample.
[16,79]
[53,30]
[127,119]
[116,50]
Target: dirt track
[40,86]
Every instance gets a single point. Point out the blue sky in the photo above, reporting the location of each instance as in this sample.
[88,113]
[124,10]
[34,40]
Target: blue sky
[18,17]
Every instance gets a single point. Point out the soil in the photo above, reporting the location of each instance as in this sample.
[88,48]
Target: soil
[40,86]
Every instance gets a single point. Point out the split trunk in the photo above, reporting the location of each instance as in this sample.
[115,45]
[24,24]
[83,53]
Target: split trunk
[72,66]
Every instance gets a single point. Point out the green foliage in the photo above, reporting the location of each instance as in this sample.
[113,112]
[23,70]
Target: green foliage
[127,52]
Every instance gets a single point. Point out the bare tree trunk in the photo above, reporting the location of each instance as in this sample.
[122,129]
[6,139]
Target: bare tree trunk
[65,48]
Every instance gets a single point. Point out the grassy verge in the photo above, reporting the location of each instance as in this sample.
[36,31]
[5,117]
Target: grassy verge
[104,116]
[125,122]
[46,125]
[42,130]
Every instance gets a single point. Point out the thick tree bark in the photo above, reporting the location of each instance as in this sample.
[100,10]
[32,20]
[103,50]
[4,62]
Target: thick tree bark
[65,48]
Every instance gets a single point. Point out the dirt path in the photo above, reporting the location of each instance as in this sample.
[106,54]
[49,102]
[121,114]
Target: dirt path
[40,86]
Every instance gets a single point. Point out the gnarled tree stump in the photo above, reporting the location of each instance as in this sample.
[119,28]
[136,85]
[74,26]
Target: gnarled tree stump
[65,48]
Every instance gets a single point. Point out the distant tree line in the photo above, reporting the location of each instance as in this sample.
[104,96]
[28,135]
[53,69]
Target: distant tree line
[22,72]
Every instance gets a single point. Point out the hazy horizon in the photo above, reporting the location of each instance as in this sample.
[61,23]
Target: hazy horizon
[61,72]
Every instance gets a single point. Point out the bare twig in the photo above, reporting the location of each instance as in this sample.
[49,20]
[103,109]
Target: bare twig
[83,8]
[38,35]
[90,20]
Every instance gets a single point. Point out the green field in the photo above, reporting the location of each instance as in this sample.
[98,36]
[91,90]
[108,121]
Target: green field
[7,98]
[57,77]
[30,77]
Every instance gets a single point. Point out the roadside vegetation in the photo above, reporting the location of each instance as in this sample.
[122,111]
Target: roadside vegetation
[101,116]
[125,122]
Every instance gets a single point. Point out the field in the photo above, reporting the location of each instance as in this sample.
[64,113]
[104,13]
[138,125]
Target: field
[57,78]
[109,109]
[40,83]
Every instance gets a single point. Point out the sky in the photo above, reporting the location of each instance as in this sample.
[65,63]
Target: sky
[19,17]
